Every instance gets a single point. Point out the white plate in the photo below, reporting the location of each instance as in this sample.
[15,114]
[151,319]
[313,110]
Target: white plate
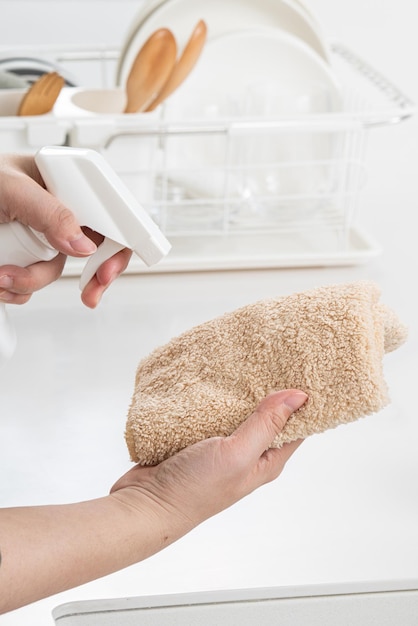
[256,72]
[308,13]
[258,75]
[221,16]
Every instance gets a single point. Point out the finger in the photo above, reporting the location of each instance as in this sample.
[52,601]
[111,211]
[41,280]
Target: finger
[18,283]
[113,267]
[58,224]
[26,201]
[259,430]
[7,297]
[104,276]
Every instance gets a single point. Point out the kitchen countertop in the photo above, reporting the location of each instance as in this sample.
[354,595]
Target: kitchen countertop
[345,510]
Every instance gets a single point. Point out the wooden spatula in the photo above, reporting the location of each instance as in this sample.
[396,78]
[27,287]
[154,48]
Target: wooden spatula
[184,65]
[150,70]
[42,95]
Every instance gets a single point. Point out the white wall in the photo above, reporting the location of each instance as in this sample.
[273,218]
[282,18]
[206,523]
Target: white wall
[383,31]
[30,22]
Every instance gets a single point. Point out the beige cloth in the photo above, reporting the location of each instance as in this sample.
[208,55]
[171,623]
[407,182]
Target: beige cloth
[329,342]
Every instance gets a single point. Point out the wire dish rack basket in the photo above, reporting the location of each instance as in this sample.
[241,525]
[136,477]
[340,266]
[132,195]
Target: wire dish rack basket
[229,193]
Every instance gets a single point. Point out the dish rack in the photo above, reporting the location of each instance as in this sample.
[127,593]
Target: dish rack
[223,191]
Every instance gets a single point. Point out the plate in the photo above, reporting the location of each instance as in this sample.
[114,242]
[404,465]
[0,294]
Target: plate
[308,13]
[254,76]
[221,16]
[256,72]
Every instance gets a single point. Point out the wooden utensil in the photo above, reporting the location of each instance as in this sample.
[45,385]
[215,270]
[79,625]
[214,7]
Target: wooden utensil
[42,95]
[184,65]
[150,70]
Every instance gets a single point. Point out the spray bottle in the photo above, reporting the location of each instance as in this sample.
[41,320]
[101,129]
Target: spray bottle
[87,185]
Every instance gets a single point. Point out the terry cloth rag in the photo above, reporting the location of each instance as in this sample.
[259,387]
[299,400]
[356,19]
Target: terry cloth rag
[328,342]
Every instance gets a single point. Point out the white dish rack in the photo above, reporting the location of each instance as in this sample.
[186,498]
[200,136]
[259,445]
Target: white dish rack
[243,209]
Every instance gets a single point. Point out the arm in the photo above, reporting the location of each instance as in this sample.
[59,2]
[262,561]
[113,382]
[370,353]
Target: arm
[48,549]
[24,198]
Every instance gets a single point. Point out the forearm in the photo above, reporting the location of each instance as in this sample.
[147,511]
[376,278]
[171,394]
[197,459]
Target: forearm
[48,549]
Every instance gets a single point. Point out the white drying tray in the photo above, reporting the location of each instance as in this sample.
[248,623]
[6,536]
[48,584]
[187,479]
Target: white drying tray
[253,251]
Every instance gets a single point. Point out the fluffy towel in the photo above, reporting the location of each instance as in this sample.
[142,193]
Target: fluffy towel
[329,342]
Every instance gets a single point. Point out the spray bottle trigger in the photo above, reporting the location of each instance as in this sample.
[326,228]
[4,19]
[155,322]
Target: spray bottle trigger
[107,249]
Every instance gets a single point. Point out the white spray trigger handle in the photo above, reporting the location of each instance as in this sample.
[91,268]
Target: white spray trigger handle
[87,185]
[106,250]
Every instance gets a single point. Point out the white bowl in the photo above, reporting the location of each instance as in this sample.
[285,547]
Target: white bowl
[221,16]
[82,102]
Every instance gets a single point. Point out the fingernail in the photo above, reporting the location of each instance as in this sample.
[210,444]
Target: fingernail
[295,400]
[83,245]
[6,296]
[6,282]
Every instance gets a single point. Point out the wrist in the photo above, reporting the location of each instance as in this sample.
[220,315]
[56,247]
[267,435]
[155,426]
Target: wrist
[69,545]
[151,521]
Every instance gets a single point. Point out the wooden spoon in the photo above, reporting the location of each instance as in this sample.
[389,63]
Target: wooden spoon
[184,65]
[42,95]
[150,70]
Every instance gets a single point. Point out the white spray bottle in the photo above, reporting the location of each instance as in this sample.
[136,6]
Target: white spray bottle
[86,184]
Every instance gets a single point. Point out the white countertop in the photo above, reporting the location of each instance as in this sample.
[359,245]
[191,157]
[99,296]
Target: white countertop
[345,511]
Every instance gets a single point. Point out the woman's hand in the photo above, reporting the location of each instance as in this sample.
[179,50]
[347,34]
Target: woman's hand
[23,198]
[47,549]
[209,476]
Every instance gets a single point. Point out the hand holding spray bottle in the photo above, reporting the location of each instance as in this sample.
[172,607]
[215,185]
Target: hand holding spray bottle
[86,184]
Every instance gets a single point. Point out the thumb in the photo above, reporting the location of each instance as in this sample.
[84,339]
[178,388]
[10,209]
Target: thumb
[259,430]
[25,200]
[59,225]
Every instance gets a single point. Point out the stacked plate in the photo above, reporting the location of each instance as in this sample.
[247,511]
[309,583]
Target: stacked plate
[222,17]
[276,46]
[264,59]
